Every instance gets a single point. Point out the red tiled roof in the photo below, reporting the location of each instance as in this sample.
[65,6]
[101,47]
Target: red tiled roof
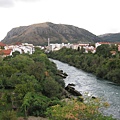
[2,44]
[5,52]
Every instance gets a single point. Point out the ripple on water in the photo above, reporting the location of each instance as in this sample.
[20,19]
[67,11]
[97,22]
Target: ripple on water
[86,82]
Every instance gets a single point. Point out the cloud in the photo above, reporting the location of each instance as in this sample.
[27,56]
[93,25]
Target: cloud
[28,0]
[11,3]
[6,3]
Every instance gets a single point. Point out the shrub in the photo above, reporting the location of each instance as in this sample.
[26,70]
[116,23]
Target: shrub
[9,115]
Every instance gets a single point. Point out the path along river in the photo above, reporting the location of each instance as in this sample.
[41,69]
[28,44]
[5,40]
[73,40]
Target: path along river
[86,82]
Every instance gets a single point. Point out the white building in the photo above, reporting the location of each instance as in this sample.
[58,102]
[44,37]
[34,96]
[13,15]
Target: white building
[23,48]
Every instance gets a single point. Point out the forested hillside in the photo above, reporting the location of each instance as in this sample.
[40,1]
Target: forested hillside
[110,37]
[30,86]
[103,63]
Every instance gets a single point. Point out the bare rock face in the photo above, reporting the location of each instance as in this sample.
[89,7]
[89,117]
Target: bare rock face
[38,34]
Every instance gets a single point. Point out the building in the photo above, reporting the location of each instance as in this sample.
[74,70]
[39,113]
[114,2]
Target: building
[2,45]
[5,53]
[7,50]
[101,43]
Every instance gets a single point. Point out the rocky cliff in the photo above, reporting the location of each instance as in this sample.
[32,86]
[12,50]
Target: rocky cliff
[38,34]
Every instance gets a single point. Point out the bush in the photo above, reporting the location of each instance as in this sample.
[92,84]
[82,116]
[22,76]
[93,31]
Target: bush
[51,88]
[75,110]
[9,115]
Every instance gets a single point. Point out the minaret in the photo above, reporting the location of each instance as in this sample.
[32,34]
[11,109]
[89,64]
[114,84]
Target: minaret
[48,43]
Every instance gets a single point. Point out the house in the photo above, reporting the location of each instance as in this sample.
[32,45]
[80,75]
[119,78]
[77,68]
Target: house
[75,46]
[55,47]
[5,53]
[7,50]
[2,45]
[90,49]
[22,48]
[17,48]
[101,43]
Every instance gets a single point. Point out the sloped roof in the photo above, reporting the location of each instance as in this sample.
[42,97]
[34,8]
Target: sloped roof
[5,52]
[2,44]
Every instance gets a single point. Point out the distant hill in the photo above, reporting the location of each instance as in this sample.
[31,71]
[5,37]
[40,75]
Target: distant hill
[111,37]
[38,34]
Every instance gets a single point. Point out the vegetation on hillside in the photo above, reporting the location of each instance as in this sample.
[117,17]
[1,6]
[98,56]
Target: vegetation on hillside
[110,37]
[38,34]
[30,86]
[103,63]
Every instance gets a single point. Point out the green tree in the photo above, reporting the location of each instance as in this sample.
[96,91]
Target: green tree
[21,62]
[38,70]
[9,115]
[7,70]
[21,90]
[1,59]
[34,104]
[103,50]
[82,50]
[51,88]
[15,53]
[75,110]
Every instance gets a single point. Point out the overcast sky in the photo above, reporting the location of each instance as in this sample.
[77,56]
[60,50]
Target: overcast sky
[96,16]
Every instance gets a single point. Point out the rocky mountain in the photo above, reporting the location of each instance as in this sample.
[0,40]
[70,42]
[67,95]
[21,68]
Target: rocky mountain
[111,37]
[38,34]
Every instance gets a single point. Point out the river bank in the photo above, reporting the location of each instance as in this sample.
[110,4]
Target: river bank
[86,82]
[103,67]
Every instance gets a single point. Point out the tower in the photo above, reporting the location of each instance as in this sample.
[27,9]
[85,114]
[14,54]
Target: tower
[48,42]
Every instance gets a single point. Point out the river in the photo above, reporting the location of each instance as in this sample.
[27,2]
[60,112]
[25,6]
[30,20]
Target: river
[86,82]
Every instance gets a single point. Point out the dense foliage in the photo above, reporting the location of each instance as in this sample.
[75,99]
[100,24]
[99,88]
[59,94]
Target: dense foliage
[103,63]
[30,86]
[75,110]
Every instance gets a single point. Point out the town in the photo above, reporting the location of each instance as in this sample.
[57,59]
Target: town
[7,50]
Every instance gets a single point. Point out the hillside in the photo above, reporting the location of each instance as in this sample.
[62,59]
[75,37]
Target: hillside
[111,37]
[38,34]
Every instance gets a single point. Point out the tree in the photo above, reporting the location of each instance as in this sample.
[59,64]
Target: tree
[114,47]
[9,115]
[38,70]
[103,50]
[34,104]
[1,59]
[7,70]
[82,50]
[30,78]
[21,90]
[15,53]
[21,62]
[23,78]
[75,110]
[51,88]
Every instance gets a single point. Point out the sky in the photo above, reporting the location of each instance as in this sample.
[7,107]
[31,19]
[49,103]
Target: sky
[97,16]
